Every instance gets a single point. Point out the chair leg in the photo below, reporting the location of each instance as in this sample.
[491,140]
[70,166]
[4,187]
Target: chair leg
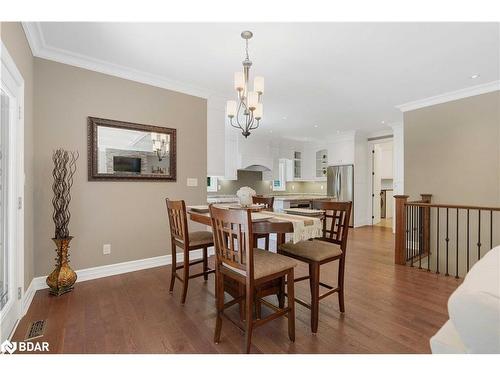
[205,264]
[266,246]
[174,265]
[314,286]
[249,318]
[281,294]
[291,305]
[185,277]
[241,289]
[219,279]
[258,306]
[341,284]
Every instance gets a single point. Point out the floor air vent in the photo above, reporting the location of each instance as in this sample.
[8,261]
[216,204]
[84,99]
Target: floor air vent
[35,330]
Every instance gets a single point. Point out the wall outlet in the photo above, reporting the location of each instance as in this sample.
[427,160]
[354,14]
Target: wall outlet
[106,249]
[192,182]
[322,187]
[293,187]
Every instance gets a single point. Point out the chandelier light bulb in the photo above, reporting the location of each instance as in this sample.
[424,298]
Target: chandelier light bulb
[231,108]
[258,111]
[253,100]
[258,85]
[239,81]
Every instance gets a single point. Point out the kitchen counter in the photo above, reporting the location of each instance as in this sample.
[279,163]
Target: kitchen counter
[299,197]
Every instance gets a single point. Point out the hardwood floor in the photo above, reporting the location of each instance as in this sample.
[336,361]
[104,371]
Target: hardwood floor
[389,309]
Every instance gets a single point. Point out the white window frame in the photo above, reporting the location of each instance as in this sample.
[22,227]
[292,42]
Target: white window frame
[280,183]
[12,80]
[213,185]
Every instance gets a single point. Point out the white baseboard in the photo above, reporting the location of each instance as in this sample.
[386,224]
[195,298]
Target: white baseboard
[38,283]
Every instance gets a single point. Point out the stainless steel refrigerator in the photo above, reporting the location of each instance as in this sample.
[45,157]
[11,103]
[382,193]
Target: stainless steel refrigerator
[340,185]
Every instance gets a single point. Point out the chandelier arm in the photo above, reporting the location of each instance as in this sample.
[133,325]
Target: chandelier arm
[231,122]
[256,125]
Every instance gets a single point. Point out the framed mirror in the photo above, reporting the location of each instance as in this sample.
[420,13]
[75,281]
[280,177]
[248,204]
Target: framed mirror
[120,150]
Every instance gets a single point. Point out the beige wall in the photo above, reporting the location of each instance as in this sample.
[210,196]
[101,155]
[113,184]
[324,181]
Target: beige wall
[13,37]
[128,215]
[452,151]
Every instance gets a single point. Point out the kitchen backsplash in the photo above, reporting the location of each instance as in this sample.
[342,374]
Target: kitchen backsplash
[254,180]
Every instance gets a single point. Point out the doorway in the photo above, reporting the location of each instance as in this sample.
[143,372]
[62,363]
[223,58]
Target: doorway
[11,194]
[382,196]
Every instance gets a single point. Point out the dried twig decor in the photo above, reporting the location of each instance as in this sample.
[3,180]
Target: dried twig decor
[64,170]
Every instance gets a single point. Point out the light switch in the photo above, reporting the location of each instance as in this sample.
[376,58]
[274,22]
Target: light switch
[192,182]
[106,249]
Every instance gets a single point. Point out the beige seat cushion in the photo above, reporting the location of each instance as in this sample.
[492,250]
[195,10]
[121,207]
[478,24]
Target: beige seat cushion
[200,238]
[315,250]
[266,263]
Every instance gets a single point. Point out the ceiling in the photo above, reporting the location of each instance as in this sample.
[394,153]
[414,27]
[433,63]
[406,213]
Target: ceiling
[320,77]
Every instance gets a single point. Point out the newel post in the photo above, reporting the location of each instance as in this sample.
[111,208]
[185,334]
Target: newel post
[399,245]
[426,223]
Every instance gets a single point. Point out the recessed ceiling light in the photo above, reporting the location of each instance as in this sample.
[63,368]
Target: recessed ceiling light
[474,76]
[284,117]
[315,126]
[270,131]
[382,122]
[338,131]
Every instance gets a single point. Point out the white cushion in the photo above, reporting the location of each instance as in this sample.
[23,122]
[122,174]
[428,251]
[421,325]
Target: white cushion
[447,341]
[474,308]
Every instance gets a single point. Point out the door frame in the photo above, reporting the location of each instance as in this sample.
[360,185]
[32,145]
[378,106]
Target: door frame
[371,157]
[12,78]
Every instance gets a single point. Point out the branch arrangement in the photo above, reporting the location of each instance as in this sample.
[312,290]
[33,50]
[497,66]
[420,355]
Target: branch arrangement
[64,170]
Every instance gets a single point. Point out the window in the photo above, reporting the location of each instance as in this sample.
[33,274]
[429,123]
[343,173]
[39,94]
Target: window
[211,184]
[280,183]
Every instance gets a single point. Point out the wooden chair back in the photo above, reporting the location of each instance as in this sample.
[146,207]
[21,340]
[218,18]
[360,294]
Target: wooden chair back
[267,201]
[177,218]
[233,238]
[336,221]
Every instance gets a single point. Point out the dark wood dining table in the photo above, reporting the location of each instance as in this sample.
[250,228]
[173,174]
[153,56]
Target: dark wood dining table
[270,225]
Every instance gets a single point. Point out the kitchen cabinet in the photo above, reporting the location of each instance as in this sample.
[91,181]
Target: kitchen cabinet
[321,163]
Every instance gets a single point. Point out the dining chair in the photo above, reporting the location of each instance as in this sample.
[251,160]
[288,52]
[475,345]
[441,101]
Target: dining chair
[238,260]
[187,241]
[268,203]
[331,246]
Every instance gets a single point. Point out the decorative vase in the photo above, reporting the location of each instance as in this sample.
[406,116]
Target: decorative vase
[62,279]
[245,195]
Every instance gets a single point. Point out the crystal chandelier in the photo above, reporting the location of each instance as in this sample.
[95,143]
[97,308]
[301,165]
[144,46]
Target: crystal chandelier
[246,113]
[161,146]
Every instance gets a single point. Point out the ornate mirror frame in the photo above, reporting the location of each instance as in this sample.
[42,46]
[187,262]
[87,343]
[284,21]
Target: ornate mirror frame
[92,144]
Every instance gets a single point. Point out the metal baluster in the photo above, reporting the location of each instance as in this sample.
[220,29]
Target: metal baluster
[491,229]
[456,260]
[411,236]
[468,236]
[437,242]
[479,235]
[429,250]
[447,239]
[420,234]
[407,232]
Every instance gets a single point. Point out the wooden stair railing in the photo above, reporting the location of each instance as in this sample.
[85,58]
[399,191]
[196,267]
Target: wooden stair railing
[438,237]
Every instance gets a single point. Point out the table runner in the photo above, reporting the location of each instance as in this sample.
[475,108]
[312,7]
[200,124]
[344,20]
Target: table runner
[304,228]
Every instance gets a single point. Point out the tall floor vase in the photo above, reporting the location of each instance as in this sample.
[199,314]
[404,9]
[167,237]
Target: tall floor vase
[62,279]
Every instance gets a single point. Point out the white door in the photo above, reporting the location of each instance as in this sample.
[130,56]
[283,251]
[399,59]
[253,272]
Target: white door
[11,187]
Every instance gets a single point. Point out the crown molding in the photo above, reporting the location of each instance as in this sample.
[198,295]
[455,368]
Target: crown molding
[40,48]
[450,96]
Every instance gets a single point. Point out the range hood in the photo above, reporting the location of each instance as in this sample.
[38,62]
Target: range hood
[257,168]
